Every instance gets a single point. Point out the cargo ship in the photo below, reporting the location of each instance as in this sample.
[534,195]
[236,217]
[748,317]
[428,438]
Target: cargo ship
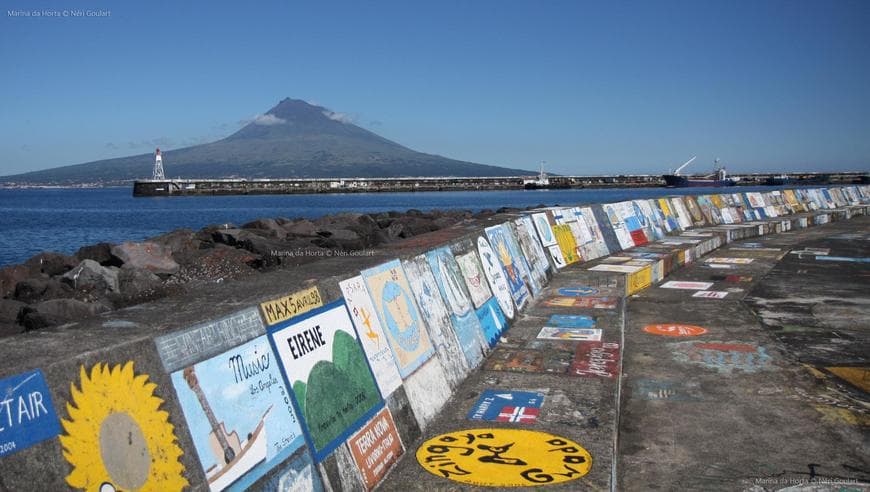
[719,177]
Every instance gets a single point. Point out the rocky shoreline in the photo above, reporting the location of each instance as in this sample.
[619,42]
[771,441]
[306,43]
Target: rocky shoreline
[53,289]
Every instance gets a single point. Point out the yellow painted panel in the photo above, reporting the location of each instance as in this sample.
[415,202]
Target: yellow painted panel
[117,436]
[637,281]
[837,415]
[566,242]
[857,376]
[663,204]
[284,308]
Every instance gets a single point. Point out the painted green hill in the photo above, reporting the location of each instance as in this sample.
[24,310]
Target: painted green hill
[337,393]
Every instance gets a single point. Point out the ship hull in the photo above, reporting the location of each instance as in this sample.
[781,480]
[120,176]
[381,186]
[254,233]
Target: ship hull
[684,182]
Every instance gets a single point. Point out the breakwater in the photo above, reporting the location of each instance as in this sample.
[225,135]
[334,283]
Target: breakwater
[346,360]
[184,187]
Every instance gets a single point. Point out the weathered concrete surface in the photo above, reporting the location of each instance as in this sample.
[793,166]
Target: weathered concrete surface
[676,423]
[582,409]
[754,403]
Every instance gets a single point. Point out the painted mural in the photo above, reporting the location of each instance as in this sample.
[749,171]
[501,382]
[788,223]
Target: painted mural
[376,447]
[496,277]
[457,350]
[286,307]
[527,240]
[394,303]
[542,225]
[723,357]
[239,414]
[519,258]
[504,457]
[566,243]
[490,316]
[452,285]
[332,385]
[509,259]
[298,475]
[475,281]
[371,334]
[117,437]
[27,415]
[596,247]
[623,236]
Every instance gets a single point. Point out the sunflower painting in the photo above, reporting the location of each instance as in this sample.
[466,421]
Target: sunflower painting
[117,438]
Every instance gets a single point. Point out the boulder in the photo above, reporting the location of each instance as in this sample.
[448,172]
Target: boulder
[9,309]
[9,278]
[51,263]
[339,237]
[338,233]
[413,226]
[100,252]
[37,289]
[266,227]
[301,228]
[138,283]
[148,255]
[270,250]
[444,222]
[384,222]
[230,237]
[218,263]
[57,312]
[368,230]
[344,218]
[394,231]
[90,275]
[205,234]
[179,241]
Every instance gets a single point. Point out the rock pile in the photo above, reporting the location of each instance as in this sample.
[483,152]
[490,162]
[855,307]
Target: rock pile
[53,289]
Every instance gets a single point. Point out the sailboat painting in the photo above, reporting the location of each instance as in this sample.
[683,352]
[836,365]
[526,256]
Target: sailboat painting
[239,414]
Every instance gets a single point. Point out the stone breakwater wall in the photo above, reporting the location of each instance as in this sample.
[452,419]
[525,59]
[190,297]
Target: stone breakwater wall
[323,376]
[53,289]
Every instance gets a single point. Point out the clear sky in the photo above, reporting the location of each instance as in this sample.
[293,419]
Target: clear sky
[590,87]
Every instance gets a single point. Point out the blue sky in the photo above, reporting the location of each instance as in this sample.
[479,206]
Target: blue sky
[589,87]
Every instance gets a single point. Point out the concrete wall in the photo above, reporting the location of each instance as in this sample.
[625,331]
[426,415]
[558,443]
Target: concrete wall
[324,376]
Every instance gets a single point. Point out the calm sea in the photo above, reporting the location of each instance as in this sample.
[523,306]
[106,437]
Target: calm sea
[62,220]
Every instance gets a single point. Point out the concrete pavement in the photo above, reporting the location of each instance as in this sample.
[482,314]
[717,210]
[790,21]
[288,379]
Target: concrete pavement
[764,388]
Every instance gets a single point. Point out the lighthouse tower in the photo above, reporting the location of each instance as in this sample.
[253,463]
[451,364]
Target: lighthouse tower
[158,167]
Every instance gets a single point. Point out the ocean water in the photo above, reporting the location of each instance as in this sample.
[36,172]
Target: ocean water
[63,220]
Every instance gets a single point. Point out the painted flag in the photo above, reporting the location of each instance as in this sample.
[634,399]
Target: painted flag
[518,414]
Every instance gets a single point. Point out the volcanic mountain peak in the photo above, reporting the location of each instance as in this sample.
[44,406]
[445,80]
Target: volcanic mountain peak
[294,139]
[292,118]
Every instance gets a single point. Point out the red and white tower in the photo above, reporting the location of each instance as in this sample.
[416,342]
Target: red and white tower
[158,167]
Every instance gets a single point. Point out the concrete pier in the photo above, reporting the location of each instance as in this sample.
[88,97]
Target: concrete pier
[290,186]
[711,342]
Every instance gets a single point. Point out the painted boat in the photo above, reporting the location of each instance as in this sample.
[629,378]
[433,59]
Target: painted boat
[252,452]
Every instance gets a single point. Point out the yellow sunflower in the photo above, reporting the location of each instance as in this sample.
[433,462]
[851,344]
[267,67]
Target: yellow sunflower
[117,438]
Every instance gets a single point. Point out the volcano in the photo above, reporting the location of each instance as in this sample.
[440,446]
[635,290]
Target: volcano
[294,139]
